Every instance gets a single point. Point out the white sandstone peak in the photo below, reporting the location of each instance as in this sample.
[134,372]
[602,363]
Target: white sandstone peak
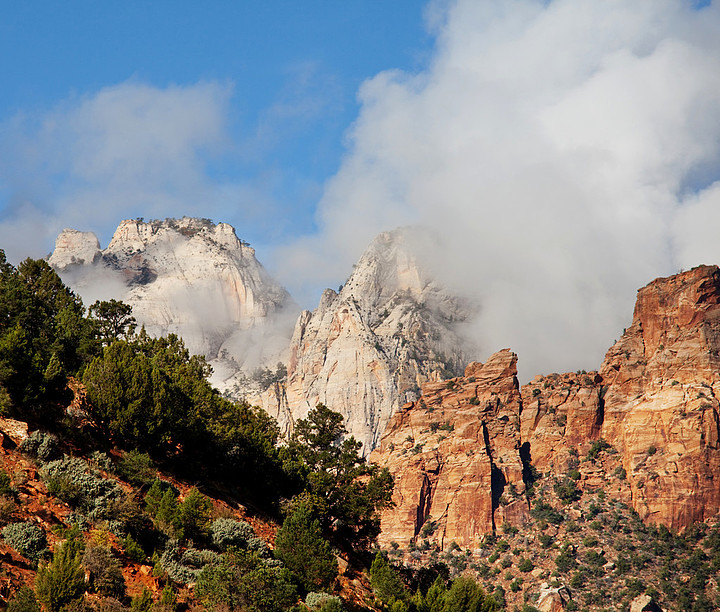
[367,349]
[74,247]
[186,276]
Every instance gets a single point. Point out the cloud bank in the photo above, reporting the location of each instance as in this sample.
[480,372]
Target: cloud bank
[126,151]
[566,152]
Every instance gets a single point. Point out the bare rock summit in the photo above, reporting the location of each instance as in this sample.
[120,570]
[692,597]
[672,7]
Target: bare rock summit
[368,348]
[185,276]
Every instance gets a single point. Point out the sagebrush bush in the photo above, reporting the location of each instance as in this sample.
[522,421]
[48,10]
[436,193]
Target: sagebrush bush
[186,566]
[101,461]
[41,445]
[321,601]
[229,532]
[28,539]
[80,485]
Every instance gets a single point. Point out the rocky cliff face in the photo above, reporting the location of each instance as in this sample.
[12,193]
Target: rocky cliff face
[454,452]
[367,349]
[661,385]
[190,277]
[654,400]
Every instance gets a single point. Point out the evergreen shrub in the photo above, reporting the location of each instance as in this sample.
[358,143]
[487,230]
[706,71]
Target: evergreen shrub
[28,539]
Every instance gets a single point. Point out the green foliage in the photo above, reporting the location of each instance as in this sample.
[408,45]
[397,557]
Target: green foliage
[24,600]
[595,558]
[323,602]
[265,377]
[300,545]
[243,581]
[543,511]
[185,565]
[166,516]
[385,581]
[113,320]
[28,539]
[136,467]
[133,549]
[142,602]
[229,532]
[194,515]
[525,565]
[62,580]
[565,561]
[5,483]
[154,496]
[465,595]
[545,540]
[567,491]
[42,446]
[346,494]
[151,394]
[43,338]
[133,399]
[80,485]
[597,447]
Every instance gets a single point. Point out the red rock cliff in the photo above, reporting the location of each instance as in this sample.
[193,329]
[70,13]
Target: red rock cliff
[454,452]
[458,449]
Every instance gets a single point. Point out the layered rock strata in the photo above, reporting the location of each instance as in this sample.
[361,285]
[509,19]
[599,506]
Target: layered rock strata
[660,384]
[454,453]
[654,401]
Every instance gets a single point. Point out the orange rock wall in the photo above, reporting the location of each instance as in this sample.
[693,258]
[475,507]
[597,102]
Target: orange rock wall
[458,452]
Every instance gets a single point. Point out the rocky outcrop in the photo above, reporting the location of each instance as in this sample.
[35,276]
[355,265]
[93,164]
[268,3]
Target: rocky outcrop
[560,413]
[364,351]
[654,400]
[454,454]
[661,383]
[644,603]
[75,248]
[190,277]
[367,349]
[553,599]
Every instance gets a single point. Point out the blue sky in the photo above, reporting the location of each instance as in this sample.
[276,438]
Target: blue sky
[566,152]
[292,69]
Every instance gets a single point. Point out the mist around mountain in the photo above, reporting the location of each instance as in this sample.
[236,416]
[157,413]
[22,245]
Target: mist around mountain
[365,350]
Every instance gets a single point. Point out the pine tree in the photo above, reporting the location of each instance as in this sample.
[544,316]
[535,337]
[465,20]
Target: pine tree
[194,515]
[166,516]
[386,583]
[301,547]
[62,580]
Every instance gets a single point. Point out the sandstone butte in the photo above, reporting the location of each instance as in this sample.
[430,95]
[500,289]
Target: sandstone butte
[459,453]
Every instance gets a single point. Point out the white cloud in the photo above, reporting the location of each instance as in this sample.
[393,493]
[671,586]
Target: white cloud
[563,150]
[128,150]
